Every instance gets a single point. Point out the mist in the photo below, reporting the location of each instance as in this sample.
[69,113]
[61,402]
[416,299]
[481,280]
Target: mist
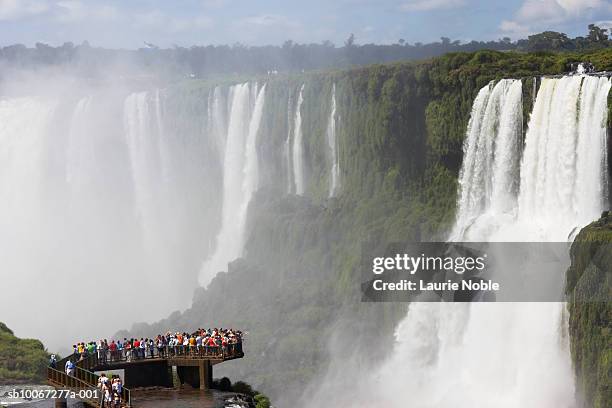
[105,211]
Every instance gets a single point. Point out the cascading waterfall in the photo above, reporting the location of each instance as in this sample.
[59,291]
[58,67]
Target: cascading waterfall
[334,178]
[287,149]
[23,121]
[508,354]
[106,197]
[563,174]
[489,176]
[298,148]
[146,163]
[240,175]
[217,119]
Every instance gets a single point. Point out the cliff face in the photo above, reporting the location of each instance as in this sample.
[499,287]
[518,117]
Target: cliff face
[296,290]
[21,360]
[589,290]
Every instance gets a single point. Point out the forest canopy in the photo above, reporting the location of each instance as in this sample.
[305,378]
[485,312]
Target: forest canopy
[210,60]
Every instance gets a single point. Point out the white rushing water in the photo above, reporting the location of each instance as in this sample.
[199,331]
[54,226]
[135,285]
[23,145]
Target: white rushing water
[334,178]
[287,149]
[240,176]
[298,148]
[100,194]
[489,177]
[145,159]
[508,355]
[217,106]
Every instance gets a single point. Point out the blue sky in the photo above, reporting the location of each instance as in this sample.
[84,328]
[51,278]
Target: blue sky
[128,24]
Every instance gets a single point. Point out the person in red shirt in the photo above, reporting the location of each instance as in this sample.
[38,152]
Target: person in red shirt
[136,348]
[113,350]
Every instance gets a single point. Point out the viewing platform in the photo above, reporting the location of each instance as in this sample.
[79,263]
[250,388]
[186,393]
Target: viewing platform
[144,368]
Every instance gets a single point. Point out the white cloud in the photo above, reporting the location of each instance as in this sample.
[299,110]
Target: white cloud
[535,14]
[428,5]
[16,9]
[546,10]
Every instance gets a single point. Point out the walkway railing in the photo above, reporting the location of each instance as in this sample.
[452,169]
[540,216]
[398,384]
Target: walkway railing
[196,352]
[83,380]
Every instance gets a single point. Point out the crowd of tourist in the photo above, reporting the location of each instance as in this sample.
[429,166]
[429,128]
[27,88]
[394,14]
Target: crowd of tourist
[111,389]
[217,342]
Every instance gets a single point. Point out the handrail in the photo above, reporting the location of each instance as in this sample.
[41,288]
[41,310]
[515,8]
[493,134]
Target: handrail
[83,378]
[61,379]
[166,352]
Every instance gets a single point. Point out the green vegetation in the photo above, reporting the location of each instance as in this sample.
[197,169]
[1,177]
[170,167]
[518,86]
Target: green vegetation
[400,131]
[589,289]
[21,360]
[211,61]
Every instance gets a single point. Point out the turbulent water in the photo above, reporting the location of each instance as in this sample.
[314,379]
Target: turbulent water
[137,194]
[240,175]
[510,354]
[489,176]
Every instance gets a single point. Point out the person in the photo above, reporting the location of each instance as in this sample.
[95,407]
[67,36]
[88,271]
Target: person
[192,345]
[119,349]
[100,350]
[102,381]
[151,348]
[160,346]
[70,368]
[212,345]
[128,350]
[107,396]
[199,343]
[224,346]
[117,390]
[185,343]
[113,350]
[116,399]
[136,349]
[104,351]
[53,361]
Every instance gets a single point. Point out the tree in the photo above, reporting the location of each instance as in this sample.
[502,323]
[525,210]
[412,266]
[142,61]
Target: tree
[597,34]
[548,40]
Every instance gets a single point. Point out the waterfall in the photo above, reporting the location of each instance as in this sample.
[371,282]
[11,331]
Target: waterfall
[563,173]
[23,122]
[334,178]
[218,119]
[287,149]
[297,153]
[489,176]
[102,183]
[240,175]
[145,153]
[508,354]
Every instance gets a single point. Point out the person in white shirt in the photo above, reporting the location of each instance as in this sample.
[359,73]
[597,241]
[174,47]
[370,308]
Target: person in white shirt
[70,368]
[102,381]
